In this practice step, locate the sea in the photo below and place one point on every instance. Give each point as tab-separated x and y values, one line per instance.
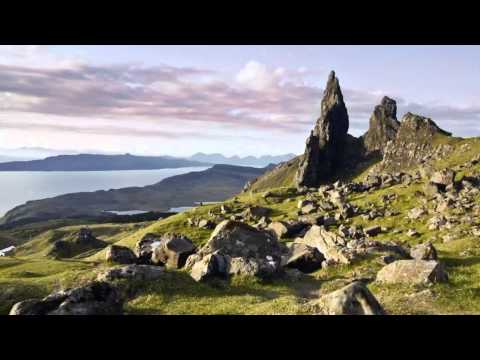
18	187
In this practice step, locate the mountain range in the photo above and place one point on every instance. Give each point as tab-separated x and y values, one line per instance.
103	162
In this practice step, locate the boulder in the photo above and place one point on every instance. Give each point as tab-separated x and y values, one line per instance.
444	177
436	222
96	298
120	255
286	229
312	219
308	209
144	248
304	258
173	251
237	239
206	224
424	251
353	299
212	265
331	245
415	213
256	212
279	228
413	272
132	272
236	248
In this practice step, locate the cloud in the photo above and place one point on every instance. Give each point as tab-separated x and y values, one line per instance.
257	97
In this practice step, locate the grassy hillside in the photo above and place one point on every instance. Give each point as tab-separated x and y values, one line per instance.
30	274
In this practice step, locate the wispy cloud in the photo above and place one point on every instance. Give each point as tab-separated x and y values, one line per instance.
257	97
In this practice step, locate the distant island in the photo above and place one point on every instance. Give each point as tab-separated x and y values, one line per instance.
260	161
214	184
102	162
96	162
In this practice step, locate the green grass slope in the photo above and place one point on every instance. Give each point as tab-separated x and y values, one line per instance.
31	275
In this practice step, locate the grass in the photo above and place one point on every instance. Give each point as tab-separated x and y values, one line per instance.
32	275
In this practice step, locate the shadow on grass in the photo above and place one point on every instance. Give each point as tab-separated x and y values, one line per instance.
455	262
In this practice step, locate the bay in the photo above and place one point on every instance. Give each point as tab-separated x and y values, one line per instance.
16	188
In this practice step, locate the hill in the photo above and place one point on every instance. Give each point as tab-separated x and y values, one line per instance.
96	162
260	161
215	184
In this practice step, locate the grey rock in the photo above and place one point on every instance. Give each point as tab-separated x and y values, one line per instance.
424	251
96	298
383	126
413	272
120	255
304	258
353	299
132	272
173	251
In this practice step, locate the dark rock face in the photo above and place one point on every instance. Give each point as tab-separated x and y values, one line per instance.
96	298
304	258
325	146
383	126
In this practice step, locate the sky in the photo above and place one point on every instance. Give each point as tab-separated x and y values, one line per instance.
235	100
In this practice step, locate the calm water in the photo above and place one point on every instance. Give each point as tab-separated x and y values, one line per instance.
17	188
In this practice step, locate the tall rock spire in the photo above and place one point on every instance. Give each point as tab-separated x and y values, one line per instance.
325	145
383	126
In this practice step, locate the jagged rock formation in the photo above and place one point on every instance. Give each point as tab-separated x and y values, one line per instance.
383	126
325	145
413	144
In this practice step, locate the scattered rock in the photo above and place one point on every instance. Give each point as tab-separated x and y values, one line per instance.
424	251
412	233
416	213
444	177
96	298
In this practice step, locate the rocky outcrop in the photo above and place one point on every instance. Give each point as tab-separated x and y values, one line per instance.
83	241
97	298
383	126
236	248
413	143
325	146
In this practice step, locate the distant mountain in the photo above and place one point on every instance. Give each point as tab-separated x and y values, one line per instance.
241	161
96	162
215	184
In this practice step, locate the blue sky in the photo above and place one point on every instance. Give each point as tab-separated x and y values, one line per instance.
245	100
